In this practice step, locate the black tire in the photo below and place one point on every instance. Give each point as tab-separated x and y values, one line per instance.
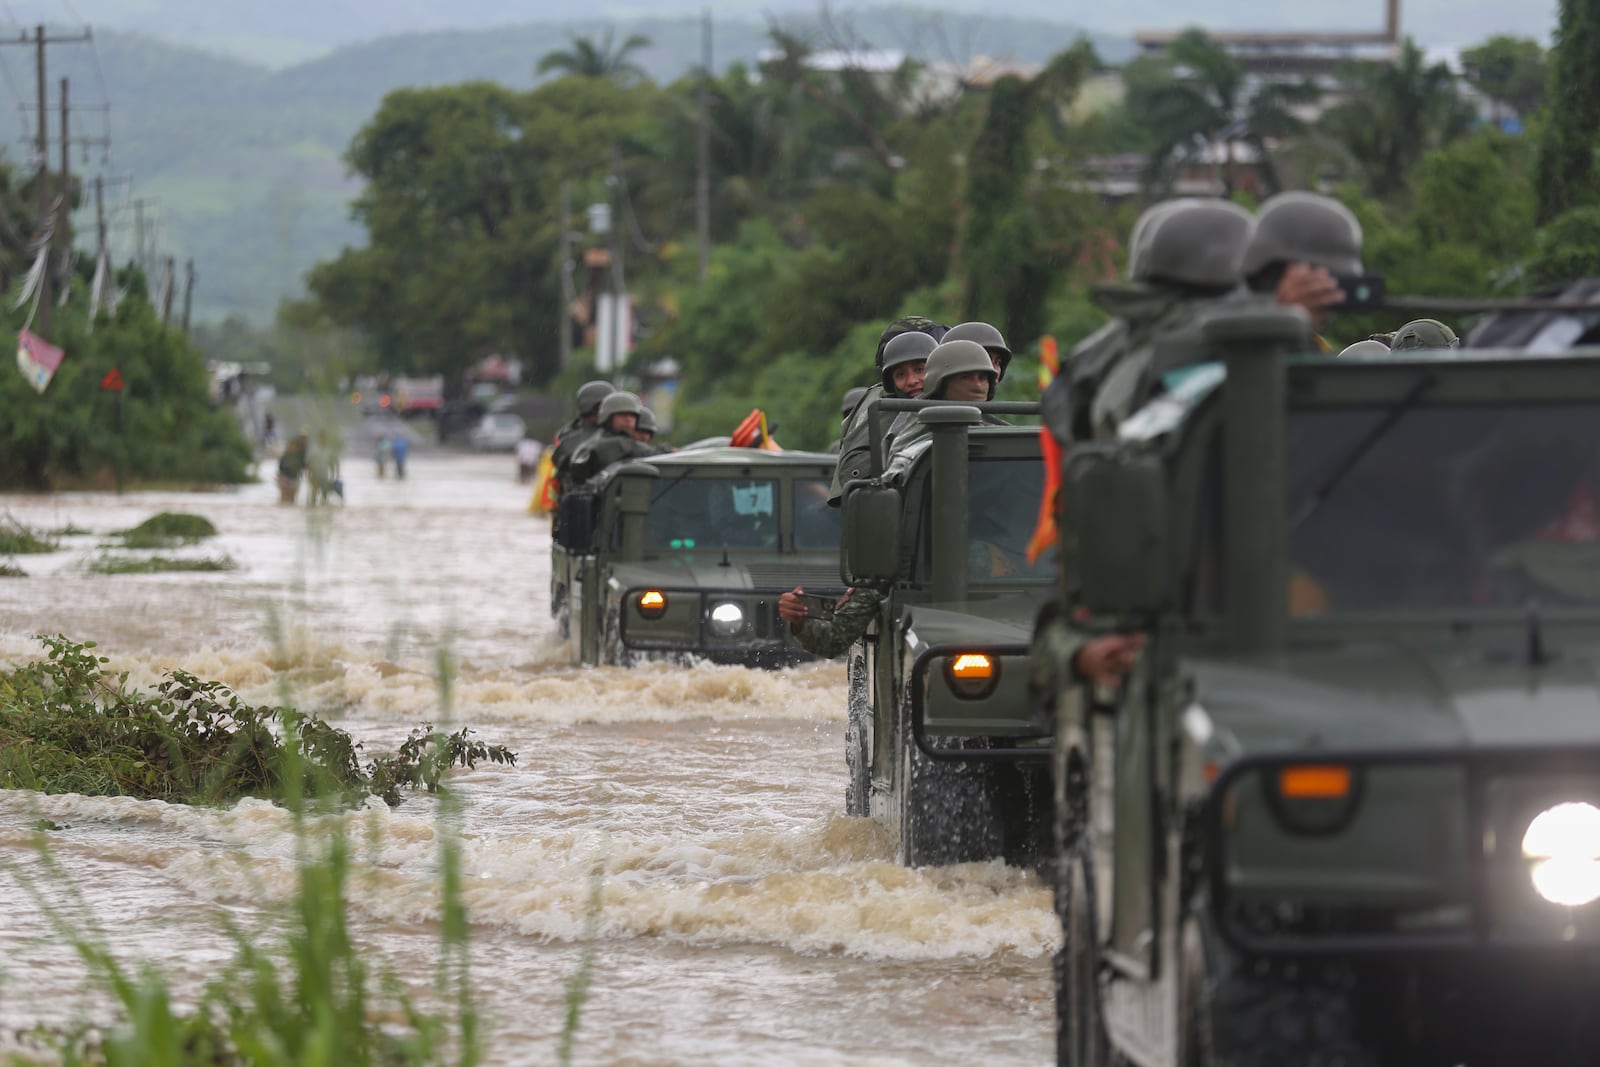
1080	1028
948	811
1234	1014
858	728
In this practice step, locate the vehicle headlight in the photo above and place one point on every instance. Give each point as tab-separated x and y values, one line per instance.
972	675
727	619
652	604
1563	843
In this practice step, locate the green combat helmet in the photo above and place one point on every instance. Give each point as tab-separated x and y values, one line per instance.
1420	334
1364	349
647	422
1194	242
952	358
987	336
852	397
618	403
1300	227
906	348
590	394
908	324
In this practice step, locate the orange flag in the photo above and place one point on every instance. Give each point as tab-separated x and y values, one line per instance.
750	432
1045	531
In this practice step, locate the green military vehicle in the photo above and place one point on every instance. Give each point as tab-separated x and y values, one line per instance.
936	746
1346	809
685	554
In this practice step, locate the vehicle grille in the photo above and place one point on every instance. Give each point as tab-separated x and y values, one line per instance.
814	577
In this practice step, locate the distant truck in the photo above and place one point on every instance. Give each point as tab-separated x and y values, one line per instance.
418	396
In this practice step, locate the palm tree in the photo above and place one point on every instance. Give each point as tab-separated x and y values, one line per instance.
589	59
1202	97
1396	113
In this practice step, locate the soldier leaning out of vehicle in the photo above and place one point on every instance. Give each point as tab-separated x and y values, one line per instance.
956	370
645	429
575	434
618	416
1300	242
854	445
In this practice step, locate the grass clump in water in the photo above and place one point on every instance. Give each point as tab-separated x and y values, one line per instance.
19	540
66	726
305	996
168	529
159	564
11	570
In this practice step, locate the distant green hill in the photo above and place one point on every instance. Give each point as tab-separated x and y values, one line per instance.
245	161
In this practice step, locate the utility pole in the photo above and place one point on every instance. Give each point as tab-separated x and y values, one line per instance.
169	282
63	239
188	294
702	180
39	41
564	319
100	215
619	285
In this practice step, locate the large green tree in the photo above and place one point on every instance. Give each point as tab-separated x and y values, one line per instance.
1511	70
1396	113
462	185
1568	173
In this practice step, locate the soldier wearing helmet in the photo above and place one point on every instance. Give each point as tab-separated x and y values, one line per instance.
852	397
1424	334
956	370
855	445
584	426
645	429
990	338
1183	256
618	416
1301	240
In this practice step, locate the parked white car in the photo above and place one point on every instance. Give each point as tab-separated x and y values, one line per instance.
497	432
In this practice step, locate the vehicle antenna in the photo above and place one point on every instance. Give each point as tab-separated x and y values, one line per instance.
725	562
1538	656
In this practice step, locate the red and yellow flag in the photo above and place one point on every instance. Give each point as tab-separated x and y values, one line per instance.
752	433
1049	362
545	490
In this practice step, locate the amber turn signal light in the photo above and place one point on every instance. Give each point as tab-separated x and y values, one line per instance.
652	603
1314	782
972	675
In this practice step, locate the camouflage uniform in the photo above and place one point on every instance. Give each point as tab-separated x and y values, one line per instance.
855	612
610	445
575	434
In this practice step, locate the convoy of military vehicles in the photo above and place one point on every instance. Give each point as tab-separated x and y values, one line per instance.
1345	809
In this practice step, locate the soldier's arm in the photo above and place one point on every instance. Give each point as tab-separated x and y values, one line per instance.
832	637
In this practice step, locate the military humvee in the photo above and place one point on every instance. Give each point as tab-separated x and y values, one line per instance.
686	554
940	744
1347	808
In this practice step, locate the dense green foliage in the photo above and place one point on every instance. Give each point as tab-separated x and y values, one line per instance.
163	427
842	200
1568	174
166	529
68	726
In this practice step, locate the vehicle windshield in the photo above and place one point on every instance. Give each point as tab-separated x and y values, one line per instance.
816	525
1002	512
712	513
1449	508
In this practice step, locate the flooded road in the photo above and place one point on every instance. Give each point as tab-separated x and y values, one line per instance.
743	919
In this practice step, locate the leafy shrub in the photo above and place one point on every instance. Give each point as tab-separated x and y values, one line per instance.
168	528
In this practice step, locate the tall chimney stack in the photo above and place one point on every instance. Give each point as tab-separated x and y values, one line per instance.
1392	22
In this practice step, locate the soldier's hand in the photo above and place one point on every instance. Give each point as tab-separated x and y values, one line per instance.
1105	660
791	608
1312	288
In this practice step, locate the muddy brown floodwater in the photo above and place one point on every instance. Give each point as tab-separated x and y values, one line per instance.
743	920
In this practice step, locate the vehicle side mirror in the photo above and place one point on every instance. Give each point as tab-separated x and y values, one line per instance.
869	543
1116	533
575	514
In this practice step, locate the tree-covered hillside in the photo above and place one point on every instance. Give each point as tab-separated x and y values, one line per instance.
244	160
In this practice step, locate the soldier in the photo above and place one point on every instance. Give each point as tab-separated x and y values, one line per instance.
574	434
1183	255
1301	240
990	338
1424	335
956	370
852	397
645	429
617	417
1182	260
854	446
905	361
